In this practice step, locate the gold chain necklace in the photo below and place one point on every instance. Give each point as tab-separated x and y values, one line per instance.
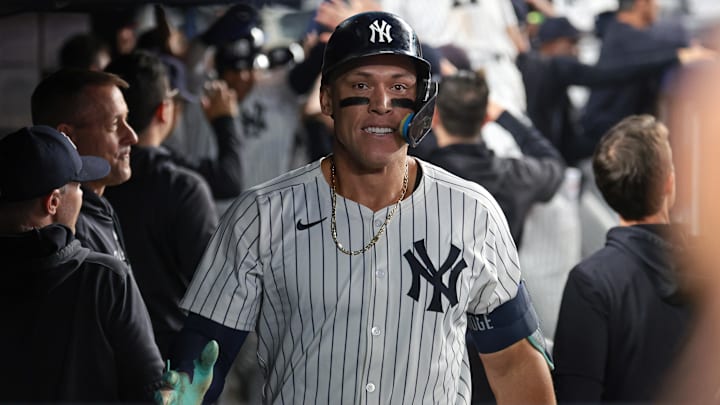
373	241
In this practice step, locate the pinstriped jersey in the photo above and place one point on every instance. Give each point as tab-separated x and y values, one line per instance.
384	327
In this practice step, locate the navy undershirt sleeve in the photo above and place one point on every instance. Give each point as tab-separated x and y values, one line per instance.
191	340
509	323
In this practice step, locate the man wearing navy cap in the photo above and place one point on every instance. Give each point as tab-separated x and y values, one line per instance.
74	325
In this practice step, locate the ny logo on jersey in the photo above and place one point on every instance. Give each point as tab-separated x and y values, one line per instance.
427	270
382	31
253	120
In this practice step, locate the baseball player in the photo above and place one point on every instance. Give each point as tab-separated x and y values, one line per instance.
361	272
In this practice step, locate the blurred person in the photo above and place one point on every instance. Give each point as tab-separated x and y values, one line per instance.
84	51
549	72
333	343
89	107
75	328
625	314
269	114
269	111
461	111
218	106
516	183
116	26
168	211
628	37
693	379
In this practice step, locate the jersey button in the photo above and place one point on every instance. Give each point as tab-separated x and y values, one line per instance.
378	223
380	274
370	387
375	331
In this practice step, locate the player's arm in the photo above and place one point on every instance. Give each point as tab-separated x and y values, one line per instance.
182	389
192	340
519	374
513	352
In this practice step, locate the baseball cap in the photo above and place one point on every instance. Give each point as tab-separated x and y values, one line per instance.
240	55
36	160
555	28
177	75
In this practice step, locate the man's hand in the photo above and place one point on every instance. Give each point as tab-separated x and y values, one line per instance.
696	53
219	100
180	389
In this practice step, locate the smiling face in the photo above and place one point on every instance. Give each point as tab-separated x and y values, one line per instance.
103	131
368	102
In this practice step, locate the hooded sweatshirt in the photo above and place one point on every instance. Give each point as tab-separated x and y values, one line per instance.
623	319
74	327
516	184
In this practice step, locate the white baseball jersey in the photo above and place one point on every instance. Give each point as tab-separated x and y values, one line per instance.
480	27
384	327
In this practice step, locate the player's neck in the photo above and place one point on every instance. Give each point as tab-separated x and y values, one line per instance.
375	190
660	217
445	138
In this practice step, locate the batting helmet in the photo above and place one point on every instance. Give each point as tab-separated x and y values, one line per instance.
378	33
374	33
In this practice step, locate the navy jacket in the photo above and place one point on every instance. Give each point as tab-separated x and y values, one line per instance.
98	226
608	106
547	80
623	319
168	217
516	184
75	328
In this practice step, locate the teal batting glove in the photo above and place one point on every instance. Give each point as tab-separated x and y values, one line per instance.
180	390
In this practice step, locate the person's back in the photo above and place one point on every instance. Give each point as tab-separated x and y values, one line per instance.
75	326
81	319
168	211
624	315
170	216
516	184
625	297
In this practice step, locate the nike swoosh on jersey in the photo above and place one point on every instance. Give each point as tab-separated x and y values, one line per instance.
302	227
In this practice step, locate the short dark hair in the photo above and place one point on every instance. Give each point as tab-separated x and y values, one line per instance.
149	85
59	97
631	164
82	51
462	102
624	5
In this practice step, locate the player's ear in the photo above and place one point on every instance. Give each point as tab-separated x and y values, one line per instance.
163	111
326	102
51	202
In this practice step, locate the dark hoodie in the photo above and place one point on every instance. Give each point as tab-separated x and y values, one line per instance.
98	227
622	319
168	217
74	327
516	184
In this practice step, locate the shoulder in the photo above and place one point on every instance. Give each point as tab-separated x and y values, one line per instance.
439	179
608	268
181	179
101	262
308	177
303	176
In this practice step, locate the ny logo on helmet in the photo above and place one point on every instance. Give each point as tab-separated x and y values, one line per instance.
382	31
